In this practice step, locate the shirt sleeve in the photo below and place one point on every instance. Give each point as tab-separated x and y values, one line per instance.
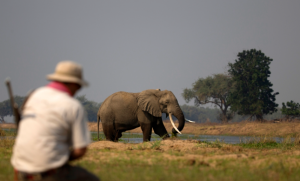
80	132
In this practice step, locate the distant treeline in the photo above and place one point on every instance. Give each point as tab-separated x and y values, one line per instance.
198	114
90	107
207	114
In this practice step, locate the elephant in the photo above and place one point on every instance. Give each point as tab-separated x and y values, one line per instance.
124	111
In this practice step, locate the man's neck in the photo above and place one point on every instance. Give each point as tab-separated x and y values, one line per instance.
61	87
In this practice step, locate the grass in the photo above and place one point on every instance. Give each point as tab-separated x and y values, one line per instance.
144	164
212	144
6	170
257	159
267	142
153	145
137	165
6	145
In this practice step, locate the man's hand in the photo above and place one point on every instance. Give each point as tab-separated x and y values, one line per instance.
77	153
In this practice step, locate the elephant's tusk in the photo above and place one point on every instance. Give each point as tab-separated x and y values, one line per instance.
189	121
172	122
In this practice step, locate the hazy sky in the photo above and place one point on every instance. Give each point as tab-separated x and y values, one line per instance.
137	45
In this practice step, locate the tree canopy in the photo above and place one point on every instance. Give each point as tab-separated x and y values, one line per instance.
5	110
5	107
291	110
253	94
200	114
212	89
90	107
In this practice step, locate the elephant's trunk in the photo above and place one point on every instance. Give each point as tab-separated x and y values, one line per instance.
181	122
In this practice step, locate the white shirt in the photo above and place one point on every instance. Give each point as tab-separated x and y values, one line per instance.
53	123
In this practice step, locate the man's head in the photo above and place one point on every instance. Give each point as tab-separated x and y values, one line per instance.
69	73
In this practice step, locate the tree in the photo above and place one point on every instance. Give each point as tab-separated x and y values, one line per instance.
5	108
199	114
90	107
291	110
253	94
213	89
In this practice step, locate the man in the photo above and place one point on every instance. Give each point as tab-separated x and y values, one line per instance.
53	130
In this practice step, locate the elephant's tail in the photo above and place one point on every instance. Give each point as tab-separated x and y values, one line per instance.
98	120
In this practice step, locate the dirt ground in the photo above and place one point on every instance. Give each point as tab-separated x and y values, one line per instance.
165	145
241	129
187	150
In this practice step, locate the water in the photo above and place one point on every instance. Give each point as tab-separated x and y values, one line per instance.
230	139
208	138
137	138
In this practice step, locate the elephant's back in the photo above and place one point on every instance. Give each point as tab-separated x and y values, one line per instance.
119	100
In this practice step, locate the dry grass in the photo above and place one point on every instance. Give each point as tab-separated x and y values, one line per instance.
191	160
186	149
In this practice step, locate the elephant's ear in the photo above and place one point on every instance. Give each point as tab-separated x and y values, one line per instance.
148	101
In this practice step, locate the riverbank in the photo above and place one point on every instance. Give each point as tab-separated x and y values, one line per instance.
180	160
244	128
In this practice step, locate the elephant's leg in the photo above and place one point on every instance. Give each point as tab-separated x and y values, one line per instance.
147	130
109	132
145	119
160	129
117	135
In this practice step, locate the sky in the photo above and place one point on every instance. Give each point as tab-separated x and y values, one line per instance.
137	45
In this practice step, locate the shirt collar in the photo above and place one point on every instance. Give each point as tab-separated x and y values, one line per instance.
59	86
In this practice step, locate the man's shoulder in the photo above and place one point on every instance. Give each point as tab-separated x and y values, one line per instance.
53	94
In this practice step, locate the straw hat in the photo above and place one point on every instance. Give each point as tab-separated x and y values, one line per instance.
68	71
